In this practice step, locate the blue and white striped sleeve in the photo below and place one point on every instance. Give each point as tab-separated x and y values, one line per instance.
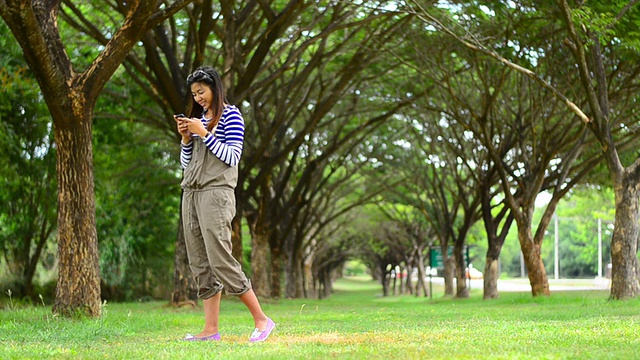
185	154
228	141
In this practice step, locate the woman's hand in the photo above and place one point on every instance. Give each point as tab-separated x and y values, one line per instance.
196	126
183	128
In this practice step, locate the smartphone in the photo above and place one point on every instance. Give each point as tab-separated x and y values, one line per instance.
180	116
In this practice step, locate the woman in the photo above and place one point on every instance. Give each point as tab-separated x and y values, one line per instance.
212	140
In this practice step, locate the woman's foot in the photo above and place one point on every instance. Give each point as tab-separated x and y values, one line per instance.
214	337
262	335
261	324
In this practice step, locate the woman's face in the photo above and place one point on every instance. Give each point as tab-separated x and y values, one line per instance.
202	94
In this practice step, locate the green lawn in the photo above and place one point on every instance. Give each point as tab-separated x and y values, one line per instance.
355	323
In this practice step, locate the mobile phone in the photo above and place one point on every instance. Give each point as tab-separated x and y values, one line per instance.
180	116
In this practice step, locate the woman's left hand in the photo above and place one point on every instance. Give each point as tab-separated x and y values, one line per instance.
197	127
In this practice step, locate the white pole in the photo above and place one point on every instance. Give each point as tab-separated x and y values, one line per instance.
599	248
521	264
556	271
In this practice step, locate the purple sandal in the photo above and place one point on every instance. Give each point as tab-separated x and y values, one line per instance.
258	335
214	337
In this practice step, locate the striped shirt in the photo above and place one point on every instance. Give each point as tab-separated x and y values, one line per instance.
226	142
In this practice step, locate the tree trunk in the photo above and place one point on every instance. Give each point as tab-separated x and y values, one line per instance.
495	238
45	232
384	280
293	267
299	280
326	283
259	261
624	243
304	280
78	288
276	272
395	279
315	281
422	274
449	271
308	284
400	275
321	284
533	261
328	286
462	290
408	281
491	274
184	285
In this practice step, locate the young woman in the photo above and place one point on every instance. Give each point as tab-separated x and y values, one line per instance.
212	140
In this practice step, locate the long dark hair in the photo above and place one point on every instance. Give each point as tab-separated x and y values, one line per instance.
209	77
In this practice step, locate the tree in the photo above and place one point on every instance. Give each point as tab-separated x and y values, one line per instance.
70	97
496	224
325	81
411	221
602	50
381	246
297	75
547	144
605	65
444	190
159	68
318	208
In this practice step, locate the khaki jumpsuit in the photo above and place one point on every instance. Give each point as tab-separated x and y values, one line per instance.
208	207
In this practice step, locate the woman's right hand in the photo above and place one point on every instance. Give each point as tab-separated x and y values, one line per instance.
183	128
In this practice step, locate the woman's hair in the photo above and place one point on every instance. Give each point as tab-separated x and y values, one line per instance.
208	76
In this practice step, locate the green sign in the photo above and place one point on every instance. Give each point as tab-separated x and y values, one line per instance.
435	256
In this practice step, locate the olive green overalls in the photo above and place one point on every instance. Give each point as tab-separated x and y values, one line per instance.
208	207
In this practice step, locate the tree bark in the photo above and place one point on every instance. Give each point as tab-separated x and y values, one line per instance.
408	282
384	280
421	275
276	272
624	243
533	261
325	283
395	278
495	241
449	273
491	271
78	288
308	284
400	275
293	268
462	290
259	261
328	283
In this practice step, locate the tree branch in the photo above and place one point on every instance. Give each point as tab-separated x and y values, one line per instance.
424	16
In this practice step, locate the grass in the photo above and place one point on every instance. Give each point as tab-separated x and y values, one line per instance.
355	323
